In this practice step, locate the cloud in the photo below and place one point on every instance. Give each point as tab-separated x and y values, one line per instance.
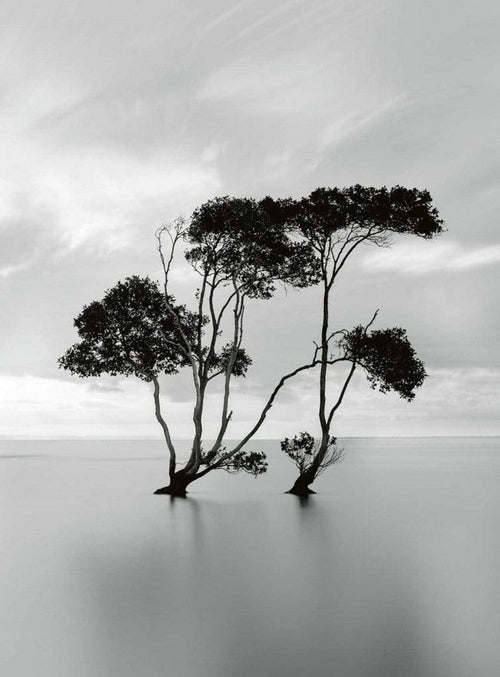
105	387
7	271
455	401
45	407
422	257
226	15
460	401
359	120
73	161
100	198
264	19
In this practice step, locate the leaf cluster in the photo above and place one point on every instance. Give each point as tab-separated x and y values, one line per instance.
252	462
237	357
302	450
388	358
236	239
359	210
130	331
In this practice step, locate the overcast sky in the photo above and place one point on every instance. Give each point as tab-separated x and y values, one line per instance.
118	116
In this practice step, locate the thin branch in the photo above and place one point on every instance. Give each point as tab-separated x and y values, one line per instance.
178	228
163	423
371	233
349	376
237	334
342	393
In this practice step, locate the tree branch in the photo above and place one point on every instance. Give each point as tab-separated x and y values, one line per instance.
163	423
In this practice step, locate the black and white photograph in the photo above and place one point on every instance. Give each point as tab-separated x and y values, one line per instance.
249	338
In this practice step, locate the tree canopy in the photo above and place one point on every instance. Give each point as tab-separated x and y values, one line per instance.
129	332
237	239
334	222
388	358
363	211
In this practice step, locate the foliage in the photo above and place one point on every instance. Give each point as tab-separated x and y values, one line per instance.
235	239
389	360
334	222
242	249
130	331
302	449
252	462
359	211
238	356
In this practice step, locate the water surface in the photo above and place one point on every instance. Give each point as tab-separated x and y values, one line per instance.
391	571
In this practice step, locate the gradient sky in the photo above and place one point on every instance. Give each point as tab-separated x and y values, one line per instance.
118	116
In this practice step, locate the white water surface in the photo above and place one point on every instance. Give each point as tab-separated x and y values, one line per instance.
392	570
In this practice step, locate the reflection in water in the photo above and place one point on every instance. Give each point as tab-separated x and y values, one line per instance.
389	571
278	595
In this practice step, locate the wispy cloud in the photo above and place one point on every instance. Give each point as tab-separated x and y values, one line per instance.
346	126
418	258
226	15
453	401
341	15
7	271
102	197
267	17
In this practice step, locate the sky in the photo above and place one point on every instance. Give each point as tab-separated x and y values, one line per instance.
117	117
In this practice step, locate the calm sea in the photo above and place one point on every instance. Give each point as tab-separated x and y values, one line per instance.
392	570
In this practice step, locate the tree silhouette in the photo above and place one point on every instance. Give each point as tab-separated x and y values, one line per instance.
335	222
240	253
241	249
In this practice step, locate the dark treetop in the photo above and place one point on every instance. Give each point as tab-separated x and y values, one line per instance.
388	359
237	239
129	332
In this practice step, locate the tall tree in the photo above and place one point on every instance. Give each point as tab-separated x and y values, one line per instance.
239	253
335	222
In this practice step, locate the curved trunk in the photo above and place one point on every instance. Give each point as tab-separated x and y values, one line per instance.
301	485
307	477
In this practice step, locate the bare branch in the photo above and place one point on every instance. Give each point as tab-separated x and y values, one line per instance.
178	227
237	335
163	423
342	393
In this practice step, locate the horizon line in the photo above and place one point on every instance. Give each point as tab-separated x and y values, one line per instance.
82	438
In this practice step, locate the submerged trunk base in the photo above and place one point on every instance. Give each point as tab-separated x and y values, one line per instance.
300	491
301	484
173	489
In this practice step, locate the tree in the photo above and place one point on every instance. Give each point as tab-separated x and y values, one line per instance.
129	332
303	448
335	222
239	253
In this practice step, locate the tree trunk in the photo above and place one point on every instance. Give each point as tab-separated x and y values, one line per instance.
307	477
177	486
301	484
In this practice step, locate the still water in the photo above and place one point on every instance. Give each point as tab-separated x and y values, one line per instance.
392	570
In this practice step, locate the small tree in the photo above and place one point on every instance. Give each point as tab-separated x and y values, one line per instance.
239	253
303	448
335	222
390	365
